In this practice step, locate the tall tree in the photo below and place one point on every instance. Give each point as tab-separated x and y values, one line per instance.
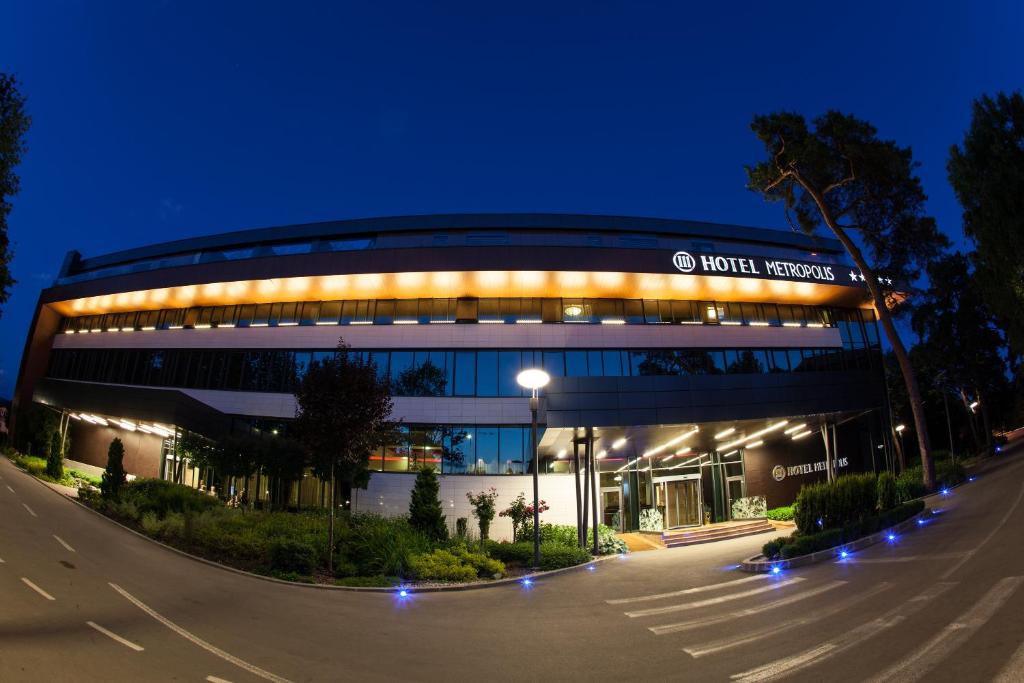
14	124
342	410
987	174
839	175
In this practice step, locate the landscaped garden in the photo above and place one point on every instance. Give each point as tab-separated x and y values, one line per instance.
831	514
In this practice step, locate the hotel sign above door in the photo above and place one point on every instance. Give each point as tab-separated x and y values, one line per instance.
756	266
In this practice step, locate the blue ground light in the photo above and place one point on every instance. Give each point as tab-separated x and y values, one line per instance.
776	570
527	582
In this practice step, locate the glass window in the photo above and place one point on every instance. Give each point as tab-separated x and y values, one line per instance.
512	449
459	449
508	368
385	313
554	363
261	317
634	311
612	364
637	360
310	313
796	360
486	450
465	373
330	313
576	363
402	362
575	311
718	366
488	309
407	309
780	360
380	359
487	373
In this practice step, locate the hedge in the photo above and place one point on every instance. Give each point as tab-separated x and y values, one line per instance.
831	505
781	514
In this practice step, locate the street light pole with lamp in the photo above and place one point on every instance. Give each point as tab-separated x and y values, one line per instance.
899	433
534	379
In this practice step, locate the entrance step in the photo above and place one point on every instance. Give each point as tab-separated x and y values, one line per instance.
716	532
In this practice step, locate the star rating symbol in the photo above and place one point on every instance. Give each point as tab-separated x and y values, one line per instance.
853	276
888	281
861	276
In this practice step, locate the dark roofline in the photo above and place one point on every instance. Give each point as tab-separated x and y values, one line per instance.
463	221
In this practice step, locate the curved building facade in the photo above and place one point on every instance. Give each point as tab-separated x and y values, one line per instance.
702	366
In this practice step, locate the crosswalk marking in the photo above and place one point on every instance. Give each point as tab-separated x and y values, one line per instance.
970	553
922	660
716	646
689	591
1013	672
903	558
749	611
788	665
712	601
37	589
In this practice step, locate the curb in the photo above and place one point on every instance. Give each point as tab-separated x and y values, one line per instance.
476	585
755	565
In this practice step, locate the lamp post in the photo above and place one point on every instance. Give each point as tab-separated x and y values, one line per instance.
534	379
899	433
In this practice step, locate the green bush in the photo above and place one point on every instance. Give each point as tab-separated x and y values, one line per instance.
485	566
425	514
381	545
887	495
771	549
556	555
801	544
909	484
608	543
830	505
440	565
163	497
114	476
292	556
781	514
510	553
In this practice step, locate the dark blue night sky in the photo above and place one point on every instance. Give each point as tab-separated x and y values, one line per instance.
159	120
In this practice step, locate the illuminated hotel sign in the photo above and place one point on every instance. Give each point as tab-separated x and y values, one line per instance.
755	266
780	472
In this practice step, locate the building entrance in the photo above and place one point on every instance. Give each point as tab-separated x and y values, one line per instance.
679	500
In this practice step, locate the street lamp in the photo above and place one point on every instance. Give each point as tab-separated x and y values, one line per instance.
973	406
534	379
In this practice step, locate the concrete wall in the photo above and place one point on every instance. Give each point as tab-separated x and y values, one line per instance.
388	494
89	444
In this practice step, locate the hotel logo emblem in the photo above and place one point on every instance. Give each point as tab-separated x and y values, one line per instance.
778	473
684	262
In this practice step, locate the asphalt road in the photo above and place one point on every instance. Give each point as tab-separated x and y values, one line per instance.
83	600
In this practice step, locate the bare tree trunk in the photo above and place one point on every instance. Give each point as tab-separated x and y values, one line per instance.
902	357
970	420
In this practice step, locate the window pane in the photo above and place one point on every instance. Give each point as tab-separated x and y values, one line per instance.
460	449
380	359
487	373
401	363
554	363
465	373
595	363
612	363
385	313
576	363
512	448
780	360
486	450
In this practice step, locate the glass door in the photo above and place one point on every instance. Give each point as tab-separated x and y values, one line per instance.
682	502
611	507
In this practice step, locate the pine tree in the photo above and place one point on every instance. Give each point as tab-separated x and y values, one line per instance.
114	476
55	457
425	513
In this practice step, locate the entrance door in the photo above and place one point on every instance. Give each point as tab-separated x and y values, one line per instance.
682	503
611	507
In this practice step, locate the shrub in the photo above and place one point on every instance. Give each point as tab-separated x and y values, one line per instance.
949	473
425	513
441	565
887	495
521	514
823	540
781	514
163	497
461	527
55	458
381	545
114	475
485	566
556	556
483	508
909	484
608	543
292	556
510	553
830	505
771	549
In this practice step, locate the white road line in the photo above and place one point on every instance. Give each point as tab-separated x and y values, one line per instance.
704	649
64	543
922	660
1	560
904	558
970	553
789	665
37	589
739	614
688	591
9	488
30	511
114	636
195	640
712	601
1013	672
215	679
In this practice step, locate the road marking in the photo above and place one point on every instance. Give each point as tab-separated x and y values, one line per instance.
922	660
738	614
704	649
970	553
196	640
906	558
1	560
64	543
215	679
1013	672
37	589
30	511
9	488
789	665
712	601
114	636
688	591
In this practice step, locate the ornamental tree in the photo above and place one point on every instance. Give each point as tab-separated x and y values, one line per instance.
483	509
425	512
114	476
837	175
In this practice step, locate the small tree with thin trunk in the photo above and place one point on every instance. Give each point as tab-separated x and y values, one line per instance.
114	476
863	190
342	410
425	513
